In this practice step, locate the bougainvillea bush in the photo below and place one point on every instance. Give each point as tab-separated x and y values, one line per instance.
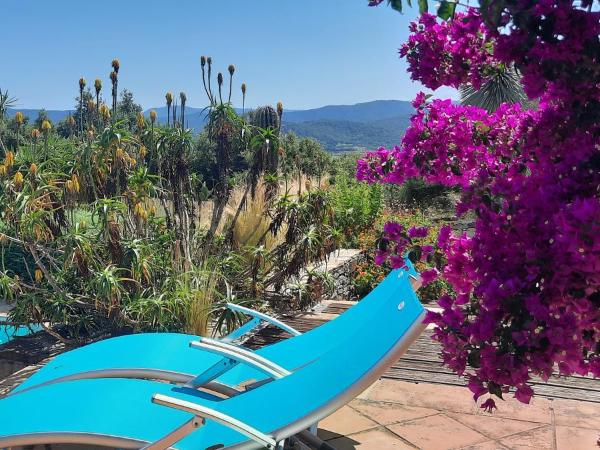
372	270
526	284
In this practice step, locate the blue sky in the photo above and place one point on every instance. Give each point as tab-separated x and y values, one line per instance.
305	53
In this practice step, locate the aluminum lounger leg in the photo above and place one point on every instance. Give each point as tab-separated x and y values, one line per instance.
176	435
313	441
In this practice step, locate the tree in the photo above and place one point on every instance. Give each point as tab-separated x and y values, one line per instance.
128	110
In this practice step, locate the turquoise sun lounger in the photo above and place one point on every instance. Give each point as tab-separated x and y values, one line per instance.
136	413
170	357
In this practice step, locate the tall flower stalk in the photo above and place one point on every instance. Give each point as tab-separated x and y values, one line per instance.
183	99
81	88
114	78
169	101
98	88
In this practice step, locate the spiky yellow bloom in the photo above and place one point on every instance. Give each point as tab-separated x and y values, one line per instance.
3	238
3	170
35	134
98	85
113	76
132	162
19	118
90	135
81	84
244	88
39	275
9	159
139	211
152	210
119	153
169	98
33	168
140	120
231	69
115	65
143	151
69	186
279	109
105	112
46	126
71	121
153	116
18	180
219	78
91	104
75	181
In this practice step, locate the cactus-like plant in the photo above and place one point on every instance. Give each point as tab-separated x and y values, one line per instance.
265	117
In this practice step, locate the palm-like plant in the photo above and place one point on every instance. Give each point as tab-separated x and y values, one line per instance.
502	86
6	101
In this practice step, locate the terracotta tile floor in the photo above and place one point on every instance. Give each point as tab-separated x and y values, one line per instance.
399	415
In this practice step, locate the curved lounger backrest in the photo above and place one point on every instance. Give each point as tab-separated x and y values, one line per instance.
295	402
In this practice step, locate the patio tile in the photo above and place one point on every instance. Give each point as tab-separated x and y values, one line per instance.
538	439
455	399
487	445
389	413
437	433
378	439
440	397
493	427
574	413
343	422
571	438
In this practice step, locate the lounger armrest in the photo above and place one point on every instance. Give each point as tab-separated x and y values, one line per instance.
212	414
241	355
265	317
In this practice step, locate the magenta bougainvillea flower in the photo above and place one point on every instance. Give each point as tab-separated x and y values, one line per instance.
526	284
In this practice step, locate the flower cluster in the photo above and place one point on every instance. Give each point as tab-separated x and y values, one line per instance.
526	284
555	45
449	53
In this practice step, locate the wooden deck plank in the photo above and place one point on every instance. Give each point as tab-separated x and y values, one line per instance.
422	362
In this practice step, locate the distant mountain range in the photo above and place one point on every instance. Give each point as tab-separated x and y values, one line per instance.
337	127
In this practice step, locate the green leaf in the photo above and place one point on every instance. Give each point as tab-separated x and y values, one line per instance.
423	7
396	4
491	10
446	10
